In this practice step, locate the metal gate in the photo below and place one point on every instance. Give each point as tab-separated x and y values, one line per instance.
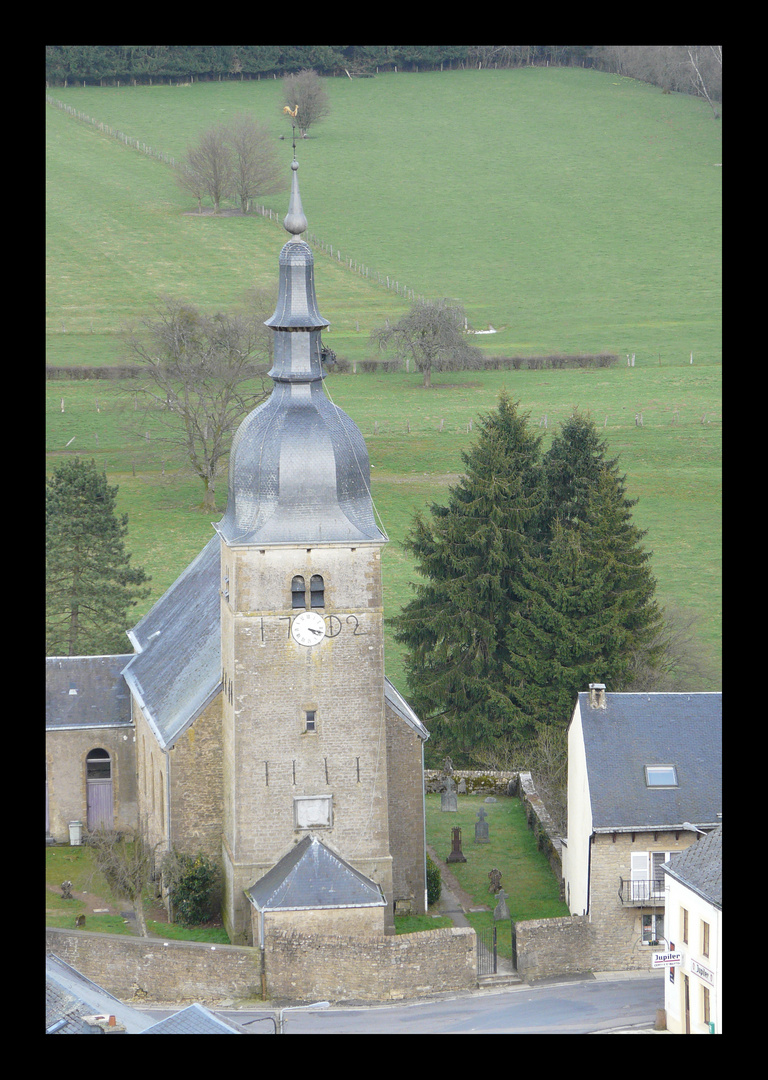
487	950
489	942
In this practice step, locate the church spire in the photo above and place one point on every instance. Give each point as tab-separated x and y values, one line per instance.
295	222
298	468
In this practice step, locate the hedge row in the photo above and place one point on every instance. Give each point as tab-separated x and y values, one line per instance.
508	363
343	367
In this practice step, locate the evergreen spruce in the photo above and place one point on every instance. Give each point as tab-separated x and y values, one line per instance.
467	553
573	466
535	583
90	583
586	613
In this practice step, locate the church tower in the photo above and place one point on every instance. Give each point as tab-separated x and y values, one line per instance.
304	740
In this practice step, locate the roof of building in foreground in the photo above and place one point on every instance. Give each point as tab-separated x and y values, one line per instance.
677	736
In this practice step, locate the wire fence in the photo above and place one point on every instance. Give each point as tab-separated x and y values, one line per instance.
361	269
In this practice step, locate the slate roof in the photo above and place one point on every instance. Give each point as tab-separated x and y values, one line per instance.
313	876
176	671
86	691
70	996
401	708
635	730
195	1020
700	867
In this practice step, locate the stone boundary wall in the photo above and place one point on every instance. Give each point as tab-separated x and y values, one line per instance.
150	969
547	947
477	781
542	825
299	967
333	968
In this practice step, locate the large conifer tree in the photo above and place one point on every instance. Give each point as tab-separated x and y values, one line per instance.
586	613
467	553
90	583
535	584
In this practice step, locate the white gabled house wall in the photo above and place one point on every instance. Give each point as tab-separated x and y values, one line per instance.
576	847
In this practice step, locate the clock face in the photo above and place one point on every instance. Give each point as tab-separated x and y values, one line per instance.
308	628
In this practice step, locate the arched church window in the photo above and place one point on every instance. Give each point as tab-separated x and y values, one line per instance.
317	591
298	599
98	765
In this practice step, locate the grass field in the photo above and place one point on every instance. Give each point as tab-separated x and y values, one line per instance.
572	210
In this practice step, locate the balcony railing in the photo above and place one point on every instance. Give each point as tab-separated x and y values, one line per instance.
642	892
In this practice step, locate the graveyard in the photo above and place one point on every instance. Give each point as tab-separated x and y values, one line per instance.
494	837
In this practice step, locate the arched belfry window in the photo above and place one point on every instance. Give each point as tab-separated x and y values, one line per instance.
317	591
298	597
316	597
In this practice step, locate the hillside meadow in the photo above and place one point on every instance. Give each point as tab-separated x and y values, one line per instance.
570	210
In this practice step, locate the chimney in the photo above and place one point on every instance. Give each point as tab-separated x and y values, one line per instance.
597	695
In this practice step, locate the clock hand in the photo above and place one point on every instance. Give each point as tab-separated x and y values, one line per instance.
313	631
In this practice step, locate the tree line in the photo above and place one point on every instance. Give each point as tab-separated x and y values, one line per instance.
695	69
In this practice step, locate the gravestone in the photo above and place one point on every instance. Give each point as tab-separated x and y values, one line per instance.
449	800
462	786
494	876
481	828
66	890
456	853
501	911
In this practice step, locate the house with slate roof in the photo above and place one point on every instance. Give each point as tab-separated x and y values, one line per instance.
644	776
262	728
693	990
90	766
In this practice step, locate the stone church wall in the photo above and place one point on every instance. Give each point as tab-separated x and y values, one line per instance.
197	786
406	818
65	753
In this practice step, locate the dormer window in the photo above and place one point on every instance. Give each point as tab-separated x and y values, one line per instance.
660	776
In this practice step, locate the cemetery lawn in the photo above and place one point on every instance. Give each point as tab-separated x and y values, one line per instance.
105	912
533	890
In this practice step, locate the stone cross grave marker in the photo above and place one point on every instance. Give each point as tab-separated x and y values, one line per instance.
501	911
481	828
449	800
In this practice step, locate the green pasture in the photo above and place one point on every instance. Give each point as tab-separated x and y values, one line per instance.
571	210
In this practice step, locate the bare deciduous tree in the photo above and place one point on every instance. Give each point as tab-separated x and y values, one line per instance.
200	372
208	166
433	335
255	166
306	98
235	160
127	863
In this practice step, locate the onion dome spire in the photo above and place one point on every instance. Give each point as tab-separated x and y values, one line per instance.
298	468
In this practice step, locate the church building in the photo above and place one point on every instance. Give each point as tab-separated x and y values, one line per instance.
264	730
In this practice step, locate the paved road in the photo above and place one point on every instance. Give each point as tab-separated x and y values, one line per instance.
576	1007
